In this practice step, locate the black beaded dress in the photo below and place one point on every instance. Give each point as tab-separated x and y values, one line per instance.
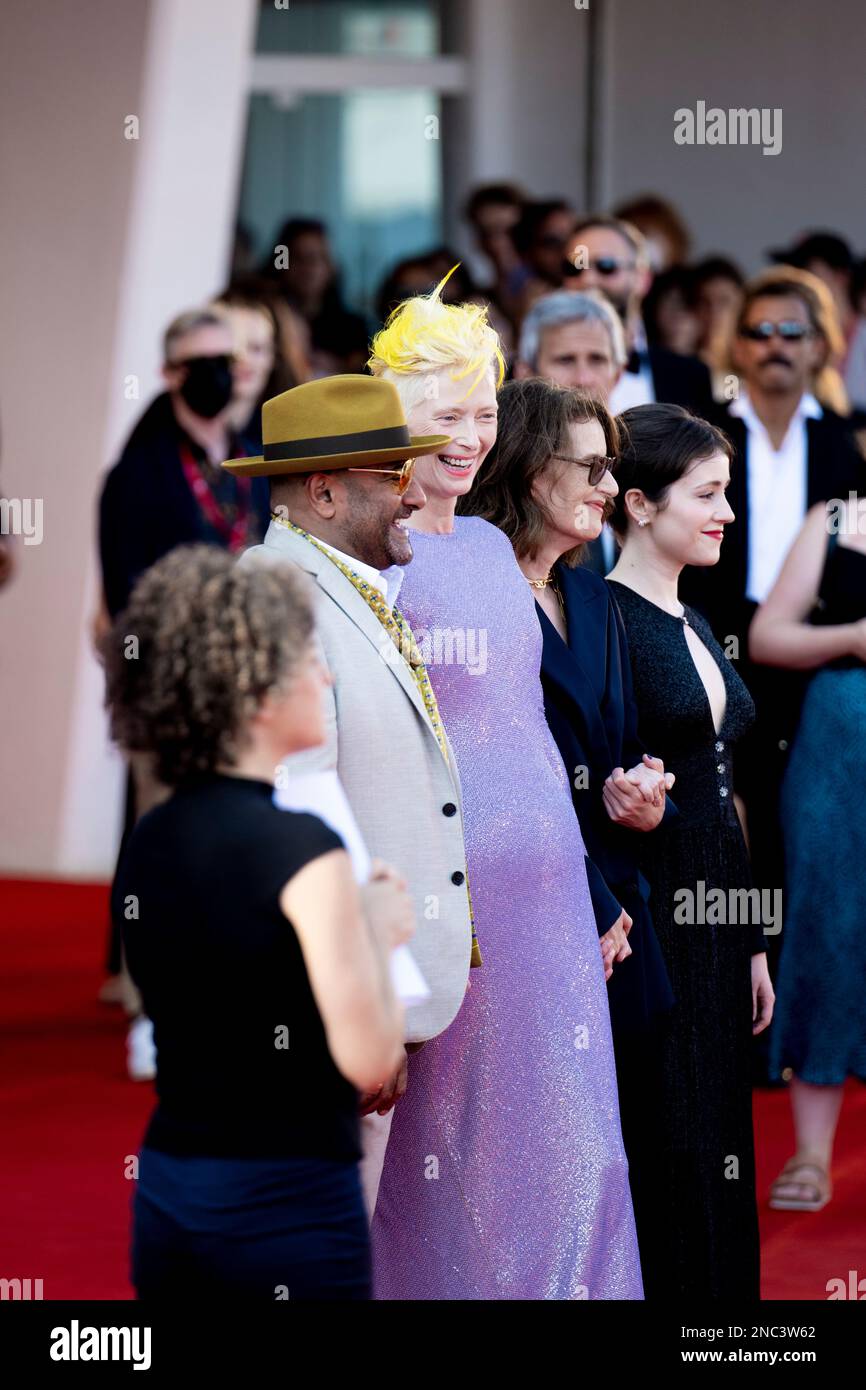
708	1193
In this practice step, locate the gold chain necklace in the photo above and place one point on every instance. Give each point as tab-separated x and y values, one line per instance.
540	583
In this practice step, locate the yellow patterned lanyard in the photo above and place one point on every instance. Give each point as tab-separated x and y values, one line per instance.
403	638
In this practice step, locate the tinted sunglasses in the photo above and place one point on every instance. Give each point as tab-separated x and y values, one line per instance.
597	466
400	477
604	265
789	329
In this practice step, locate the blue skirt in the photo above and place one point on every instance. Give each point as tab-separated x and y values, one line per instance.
819	1028
247	1228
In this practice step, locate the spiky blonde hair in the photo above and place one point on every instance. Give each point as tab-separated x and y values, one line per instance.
423	335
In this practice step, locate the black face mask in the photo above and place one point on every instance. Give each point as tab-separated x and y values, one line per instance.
207	388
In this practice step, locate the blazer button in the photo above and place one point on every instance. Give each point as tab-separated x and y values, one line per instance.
458	878
449	809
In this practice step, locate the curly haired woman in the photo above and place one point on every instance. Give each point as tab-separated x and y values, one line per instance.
244	932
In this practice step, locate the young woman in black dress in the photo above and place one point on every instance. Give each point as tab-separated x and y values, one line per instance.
671	511
267	984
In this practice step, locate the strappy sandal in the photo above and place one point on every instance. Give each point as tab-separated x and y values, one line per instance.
818	1188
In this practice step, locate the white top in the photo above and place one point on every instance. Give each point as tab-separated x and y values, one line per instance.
634	388
388	582
776	481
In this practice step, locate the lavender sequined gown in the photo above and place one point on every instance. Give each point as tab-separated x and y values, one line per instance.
505	1175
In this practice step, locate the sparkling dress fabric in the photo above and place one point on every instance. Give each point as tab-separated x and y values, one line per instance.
819	1027
505	1175
707	1200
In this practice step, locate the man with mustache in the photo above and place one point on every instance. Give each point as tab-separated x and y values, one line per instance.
790	453
340	460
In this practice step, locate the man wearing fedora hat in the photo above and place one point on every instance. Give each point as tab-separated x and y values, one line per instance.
340	461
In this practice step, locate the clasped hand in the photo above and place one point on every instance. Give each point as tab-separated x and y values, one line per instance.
636	799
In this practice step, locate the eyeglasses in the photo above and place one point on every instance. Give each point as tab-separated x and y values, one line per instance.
605	265
400	477
791	330
597	466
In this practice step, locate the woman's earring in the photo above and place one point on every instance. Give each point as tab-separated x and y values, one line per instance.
643	521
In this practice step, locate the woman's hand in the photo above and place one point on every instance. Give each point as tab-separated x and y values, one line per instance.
614	946
636	799
763	995
385	1097
388	906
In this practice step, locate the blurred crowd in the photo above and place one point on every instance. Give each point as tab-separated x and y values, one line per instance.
717	407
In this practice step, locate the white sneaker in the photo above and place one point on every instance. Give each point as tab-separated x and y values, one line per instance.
140	1050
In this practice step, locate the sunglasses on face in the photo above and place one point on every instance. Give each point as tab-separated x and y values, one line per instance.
789	329
597	466
603	265
400	477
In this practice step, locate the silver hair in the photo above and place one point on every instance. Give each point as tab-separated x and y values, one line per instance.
204	317
569	306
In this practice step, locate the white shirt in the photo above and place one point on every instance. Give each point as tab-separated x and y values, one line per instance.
776	482
634	388
388	582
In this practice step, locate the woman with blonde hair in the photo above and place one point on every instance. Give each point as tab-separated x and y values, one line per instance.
505	1175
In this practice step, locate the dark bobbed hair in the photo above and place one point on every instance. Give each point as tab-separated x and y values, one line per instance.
493	195
213	638
716	268
660	444
534	416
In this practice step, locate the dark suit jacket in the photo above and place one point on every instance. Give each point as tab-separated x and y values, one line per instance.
590	708
146	507
681	380
834	466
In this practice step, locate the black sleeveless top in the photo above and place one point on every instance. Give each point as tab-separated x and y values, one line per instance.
842	592
243	1067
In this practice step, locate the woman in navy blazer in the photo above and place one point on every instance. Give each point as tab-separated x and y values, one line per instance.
546	486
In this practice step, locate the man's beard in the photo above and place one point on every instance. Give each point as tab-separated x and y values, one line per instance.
374	540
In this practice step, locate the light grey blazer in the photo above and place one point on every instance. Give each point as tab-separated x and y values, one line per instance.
404	795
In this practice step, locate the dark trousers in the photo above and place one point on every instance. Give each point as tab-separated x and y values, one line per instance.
243	1228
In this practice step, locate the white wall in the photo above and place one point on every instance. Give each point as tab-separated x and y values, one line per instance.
104	240
526	111
804	57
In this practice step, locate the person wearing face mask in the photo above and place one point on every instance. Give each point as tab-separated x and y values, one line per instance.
168	489
513	1110
671	511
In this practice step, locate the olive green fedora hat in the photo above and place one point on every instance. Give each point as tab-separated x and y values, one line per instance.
336	422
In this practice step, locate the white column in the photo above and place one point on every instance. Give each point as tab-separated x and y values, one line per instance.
105	239
193	111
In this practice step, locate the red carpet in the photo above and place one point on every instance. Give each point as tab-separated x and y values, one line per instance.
71	1119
